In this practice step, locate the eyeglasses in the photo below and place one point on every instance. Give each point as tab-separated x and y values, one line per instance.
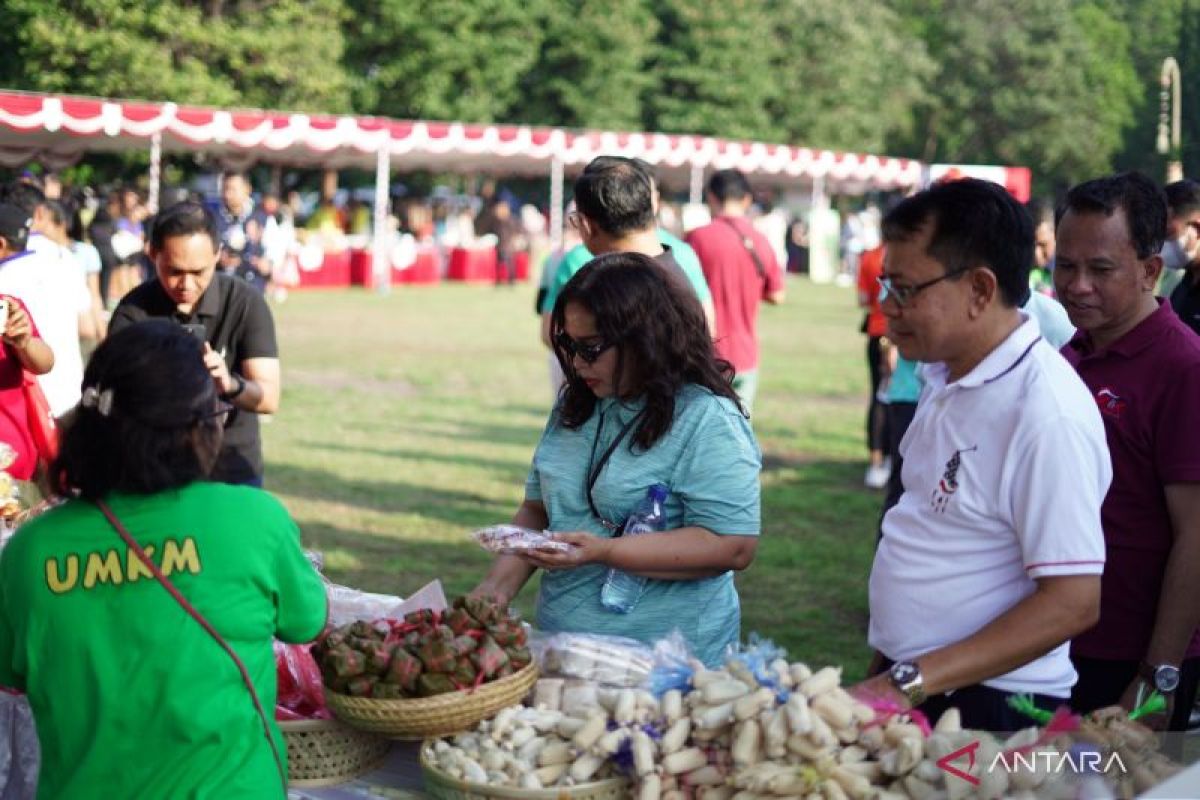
903	295
589	353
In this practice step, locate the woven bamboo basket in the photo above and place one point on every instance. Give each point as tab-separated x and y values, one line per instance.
441	786
440	715
323	752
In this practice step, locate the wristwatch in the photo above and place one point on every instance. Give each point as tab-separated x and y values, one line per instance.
1164	677
238	389
906	676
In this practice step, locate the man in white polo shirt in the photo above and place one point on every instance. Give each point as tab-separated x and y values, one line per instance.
991	560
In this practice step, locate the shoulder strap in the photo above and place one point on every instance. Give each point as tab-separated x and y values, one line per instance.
595	470
196	615
747	243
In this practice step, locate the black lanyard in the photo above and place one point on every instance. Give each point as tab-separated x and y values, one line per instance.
595	470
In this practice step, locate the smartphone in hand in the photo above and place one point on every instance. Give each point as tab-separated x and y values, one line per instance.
196	330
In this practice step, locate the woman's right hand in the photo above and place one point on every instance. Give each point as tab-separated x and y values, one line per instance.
509	573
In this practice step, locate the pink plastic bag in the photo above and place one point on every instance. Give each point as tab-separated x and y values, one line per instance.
300	691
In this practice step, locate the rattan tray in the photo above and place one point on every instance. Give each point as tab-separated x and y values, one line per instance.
323	752
441	786
440	715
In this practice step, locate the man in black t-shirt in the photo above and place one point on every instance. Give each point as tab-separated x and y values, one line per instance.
228	314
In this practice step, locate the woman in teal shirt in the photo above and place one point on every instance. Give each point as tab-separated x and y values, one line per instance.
646	401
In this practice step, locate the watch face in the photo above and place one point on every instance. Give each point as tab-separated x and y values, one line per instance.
1166	679
905	672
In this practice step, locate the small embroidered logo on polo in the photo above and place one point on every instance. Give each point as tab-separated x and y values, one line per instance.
948	485
1111	404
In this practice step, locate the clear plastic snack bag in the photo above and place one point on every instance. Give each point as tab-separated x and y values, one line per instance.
596	659
514	540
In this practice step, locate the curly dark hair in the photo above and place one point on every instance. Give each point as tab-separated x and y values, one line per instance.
159	433
654	320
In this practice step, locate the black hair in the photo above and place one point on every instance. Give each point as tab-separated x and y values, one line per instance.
728	184
159	432
657	326
615	193
183	219
73	202
1183	197
58	214
239	174
975	223
24	195
1144	204
648	168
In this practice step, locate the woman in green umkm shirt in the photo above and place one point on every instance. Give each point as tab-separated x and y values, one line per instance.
132	698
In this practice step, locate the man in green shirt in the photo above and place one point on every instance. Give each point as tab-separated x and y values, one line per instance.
617	210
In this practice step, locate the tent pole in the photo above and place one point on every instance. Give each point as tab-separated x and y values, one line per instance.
381	268
696	189
155	172
556	204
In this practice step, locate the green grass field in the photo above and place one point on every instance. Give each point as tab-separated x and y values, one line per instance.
409	420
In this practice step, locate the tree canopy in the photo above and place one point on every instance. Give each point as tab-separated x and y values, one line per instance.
1069	88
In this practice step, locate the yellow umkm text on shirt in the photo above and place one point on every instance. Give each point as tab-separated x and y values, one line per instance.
114	567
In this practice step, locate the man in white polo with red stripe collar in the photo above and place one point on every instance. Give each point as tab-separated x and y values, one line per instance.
991	560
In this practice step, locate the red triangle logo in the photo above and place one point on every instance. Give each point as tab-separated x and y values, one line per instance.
946	766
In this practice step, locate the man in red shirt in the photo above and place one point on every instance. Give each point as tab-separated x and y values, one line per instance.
1142	365
741	270
870	270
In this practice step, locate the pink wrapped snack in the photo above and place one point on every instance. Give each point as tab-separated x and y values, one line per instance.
513	540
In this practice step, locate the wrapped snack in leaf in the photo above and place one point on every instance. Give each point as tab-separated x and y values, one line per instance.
362	629
519	656
436	656
462	645
504	671
489	657
464	672
404	670
386	691
459	621
507	632
443	633
361	686
361	643
484	609
346	662
422	617
430	684
378	656
412	641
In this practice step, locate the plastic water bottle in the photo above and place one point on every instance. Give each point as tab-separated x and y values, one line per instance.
621	590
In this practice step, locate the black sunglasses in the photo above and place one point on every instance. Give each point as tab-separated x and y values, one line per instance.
589	353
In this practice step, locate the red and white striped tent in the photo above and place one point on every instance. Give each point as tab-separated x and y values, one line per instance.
57	130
